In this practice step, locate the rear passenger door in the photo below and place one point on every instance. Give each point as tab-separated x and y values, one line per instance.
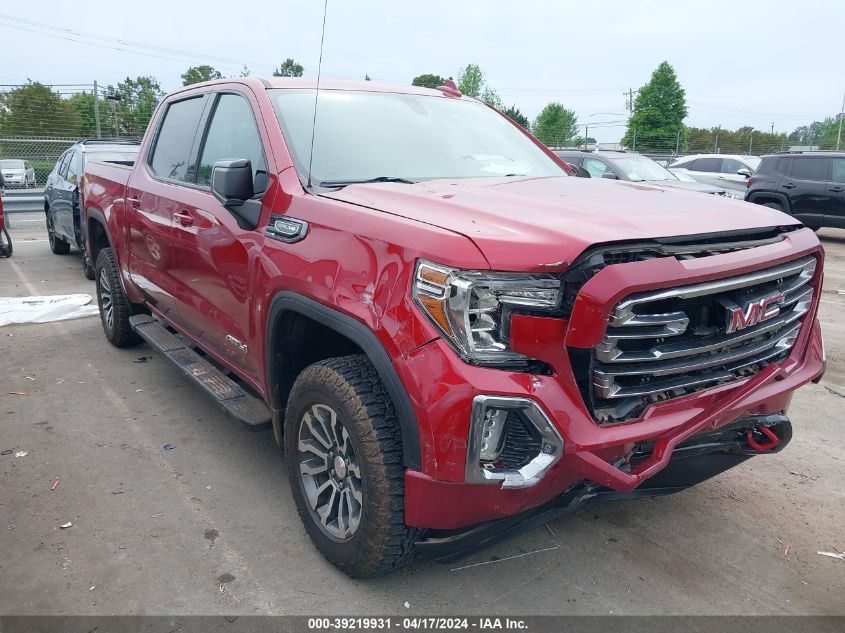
213	250
806	185
160	189
708	171
836	187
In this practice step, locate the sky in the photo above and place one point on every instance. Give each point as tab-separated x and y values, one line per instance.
741	62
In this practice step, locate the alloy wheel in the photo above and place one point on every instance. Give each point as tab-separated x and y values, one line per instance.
106	301
329	472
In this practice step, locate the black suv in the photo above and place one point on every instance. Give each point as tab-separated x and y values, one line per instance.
807	185
62	204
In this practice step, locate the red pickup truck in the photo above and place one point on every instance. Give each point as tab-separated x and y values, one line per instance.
451	338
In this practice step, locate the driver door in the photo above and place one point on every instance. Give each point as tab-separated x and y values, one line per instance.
213	251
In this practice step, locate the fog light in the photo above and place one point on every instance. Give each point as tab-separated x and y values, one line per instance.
492	436
511	441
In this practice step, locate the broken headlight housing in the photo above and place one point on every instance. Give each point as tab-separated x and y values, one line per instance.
472	309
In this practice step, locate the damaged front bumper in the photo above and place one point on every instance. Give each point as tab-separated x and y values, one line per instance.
695	460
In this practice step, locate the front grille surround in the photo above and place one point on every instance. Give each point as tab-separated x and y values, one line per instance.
667	343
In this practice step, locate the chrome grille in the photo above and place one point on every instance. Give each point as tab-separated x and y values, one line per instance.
666	343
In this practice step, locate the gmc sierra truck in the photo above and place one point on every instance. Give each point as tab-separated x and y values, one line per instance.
451	338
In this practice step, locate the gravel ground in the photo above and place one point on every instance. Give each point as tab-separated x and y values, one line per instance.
210	526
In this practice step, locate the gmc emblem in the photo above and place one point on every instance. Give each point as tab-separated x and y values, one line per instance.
755	312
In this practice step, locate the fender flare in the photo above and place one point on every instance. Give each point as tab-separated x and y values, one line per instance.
778	197
362	336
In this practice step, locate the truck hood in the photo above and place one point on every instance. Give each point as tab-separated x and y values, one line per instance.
529	224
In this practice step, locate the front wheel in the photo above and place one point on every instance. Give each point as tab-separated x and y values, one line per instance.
115	308
344	455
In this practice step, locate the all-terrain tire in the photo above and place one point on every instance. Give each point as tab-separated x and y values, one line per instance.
115	308
351	387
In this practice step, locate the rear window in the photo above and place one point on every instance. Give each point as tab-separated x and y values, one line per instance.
172	153
809	168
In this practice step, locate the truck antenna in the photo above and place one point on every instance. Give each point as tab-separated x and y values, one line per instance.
317	94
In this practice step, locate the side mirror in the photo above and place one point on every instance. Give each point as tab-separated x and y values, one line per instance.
744	171
231	184
231	181
610	175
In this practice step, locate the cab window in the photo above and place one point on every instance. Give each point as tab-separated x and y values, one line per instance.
233	133
171	157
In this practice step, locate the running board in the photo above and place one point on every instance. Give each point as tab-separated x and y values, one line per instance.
238	403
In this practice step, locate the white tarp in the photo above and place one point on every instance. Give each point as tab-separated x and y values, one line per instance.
45	309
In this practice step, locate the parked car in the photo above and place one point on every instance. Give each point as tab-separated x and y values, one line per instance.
730	171
621	165
62	204
17	173
449	336
808	185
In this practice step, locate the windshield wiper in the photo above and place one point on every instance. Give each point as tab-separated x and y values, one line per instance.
344	183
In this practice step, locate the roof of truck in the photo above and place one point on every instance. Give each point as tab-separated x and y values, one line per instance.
259	83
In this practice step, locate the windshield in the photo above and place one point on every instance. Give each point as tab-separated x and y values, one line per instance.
11	164
366	135
638	168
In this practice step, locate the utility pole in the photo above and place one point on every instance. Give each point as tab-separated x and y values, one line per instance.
586	134
97	109
773	127
841	115
750	140
629	104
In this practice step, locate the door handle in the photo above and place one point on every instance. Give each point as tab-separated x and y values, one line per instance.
836	189
788	185
184	218
134	203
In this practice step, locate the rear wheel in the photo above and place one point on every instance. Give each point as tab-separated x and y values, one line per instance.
57	244
344	454
115	308
6	249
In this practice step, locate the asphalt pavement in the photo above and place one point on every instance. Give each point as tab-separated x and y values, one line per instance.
209	526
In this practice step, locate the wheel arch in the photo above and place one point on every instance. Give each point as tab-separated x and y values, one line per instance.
287	308
97	237
762	197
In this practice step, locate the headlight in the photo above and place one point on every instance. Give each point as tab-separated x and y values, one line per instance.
472	309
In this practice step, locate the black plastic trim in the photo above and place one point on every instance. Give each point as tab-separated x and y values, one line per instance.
362	336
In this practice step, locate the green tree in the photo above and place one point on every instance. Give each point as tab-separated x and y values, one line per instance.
131	106
197	74
471	80
514	113
289	68
491	97
659	112
428	81
556	125
35	110
83	103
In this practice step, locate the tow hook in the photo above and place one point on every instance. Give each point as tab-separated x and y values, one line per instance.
772	442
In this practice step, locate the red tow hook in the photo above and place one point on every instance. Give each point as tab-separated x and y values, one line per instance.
765	430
